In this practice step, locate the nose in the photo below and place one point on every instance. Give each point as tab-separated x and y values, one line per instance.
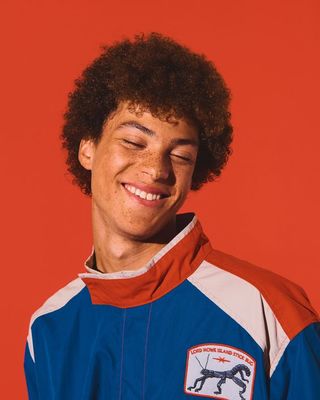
157	166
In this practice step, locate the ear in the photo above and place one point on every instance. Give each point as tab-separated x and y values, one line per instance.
86	153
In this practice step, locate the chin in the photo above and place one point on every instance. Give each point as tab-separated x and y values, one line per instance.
140	231
145	231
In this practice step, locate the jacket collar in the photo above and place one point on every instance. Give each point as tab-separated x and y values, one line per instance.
167	269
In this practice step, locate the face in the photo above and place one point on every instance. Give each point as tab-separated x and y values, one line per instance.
141	172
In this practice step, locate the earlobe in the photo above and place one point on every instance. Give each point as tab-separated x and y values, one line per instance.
86	153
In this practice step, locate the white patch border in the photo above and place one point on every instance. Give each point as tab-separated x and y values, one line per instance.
223	345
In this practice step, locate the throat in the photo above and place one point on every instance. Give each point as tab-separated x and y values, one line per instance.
119	248
115	258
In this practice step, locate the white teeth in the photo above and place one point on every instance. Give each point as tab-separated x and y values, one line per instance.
142	194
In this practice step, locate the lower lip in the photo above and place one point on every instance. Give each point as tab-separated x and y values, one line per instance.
147	203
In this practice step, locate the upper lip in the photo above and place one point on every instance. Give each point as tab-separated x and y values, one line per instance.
148	189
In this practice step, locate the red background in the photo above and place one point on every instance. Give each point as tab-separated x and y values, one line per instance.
264	208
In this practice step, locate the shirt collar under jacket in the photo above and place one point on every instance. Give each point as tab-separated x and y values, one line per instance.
174	263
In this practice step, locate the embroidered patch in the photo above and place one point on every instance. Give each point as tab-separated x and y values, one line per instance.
220	372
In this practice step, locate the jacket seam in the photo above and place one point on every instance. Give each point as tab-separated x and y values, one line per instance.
122	353
145	353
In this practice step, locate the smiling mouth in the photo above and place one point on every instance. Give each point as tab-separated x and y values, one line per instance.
142	194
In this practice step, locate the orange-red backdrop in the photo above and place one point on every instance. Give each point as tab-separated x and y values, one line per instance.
263	209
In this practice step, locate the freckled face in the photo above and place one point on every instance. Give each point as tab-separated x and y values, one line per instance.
141	172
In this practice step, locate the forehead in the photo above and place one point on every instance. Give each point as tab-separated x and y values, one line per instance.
125	115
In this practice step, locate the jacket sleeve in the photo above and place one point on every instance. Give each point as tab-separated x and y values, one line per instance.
30	375
297	375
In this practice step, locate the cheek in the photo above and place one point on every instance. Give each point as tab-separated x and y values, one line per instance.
184	178
108	169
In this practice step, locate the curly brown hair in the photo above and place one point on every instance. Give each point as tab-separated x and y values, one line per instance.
154	73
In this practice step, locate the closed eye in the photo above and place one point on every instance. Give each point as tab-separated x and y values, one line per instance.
129	143
187	159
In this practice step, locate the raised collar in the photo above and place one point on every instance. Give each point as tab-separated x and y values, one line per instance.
167	269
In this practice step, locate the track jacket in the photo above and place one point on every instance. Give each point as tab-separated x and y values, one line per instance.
193	322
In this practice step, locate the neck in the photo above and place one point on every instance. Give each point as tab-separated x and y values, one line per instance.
116	251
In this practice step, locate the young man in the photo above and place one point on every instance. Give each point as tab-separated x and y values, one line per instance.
160	314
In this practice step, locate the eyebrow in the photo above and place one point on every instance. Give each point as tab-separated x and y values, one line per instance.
150	132
134	124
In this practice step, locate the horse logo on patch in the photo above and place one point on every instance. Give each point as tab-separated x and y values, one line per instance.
219	371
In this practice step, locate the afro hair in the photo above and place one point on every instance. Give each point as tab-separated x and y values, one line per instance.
155	73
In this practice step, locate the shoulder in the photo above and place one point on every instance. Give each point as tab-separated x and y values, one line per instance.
59	299
55	302
272	309
287	300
